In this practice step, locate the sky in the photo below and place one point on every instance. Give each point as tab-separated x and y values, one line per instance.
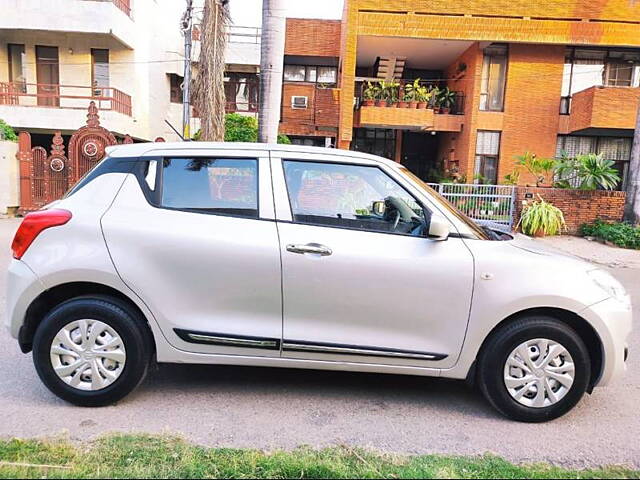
248	13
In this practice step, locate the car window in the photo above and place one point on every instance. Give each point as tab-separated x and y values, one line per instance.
208	185
351	196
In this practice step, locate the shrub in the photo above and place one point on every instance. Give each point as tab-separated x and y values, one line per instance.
6	132
242	128
623	234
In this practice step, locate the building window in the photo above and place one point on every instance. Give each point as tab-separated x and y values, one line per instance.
100	70
587	67
175	88
376	141
494	78
617	149
310	74
241	92
17	62
487	155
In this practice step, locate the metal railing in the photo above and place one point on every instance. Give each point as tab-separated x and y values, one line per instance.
487	205
238	34
456	109
64	96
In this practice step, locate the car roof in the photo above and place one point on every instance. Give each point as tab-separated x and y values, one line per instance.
148	149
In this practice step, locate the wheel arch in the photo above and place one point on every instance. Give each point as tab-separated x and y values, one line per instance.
48	299
582	327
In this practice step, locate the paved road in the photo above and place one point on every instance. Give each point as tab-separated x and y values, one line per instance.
275	408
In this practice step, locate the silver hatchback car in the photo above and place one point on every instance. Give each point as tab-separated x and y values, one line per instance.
299	257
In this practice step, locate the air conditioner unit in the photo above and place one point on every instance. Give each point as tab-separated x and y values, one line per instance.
299	102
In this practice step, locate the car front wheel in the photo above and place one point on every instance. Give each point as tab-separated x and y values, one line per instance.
91	351
534	369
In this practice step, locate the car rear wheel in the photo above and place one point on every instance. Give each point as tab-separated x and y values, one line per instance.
92	351
534	369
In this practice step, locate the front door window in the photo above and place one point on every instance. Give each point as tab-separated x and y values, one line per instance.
351	196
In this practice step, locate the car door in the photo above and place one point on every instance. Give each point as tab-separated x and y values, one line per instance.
360	284
194	237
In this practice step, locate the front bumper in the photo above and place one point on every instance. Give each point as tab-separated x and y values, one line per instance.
612	321
23	287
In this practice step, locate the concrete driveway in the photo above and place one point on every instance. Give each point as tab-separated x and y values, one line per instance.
275	408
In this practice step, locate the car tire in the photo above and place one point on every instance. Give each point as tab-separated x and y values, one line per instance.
124	349
535	394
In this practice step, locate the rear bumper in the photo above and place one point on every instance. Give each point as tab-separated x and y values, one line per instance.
23	287
612	321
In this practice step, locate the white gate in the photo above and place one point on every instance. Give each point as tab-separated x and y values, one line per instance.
488	205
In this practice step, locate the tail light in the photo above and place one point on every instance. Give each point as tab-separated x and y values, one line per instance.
33	224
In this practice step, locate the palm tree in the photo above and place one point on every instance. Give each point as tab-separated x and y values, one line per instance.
209	86
632	206
271	61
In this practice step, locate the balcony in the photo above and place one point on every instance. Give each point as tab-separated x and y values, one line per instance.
602	107
109	18
431	115
64	96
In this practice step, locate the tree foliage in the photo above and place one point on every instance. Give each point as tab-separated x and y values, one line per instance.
242	128
6	132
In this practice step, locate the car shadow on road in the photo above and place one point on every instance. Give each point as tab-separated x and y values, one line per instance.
317	386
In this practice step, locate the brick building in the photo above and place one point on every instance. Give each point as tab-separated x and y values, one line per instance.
542	76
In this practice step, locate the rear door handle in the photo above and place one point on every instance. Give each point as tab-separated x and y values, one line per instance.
314	248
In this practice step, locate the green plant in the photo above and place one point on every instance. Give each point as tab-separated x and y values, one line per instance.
389	91
623	234
588	172
411	91
446	98
242	128
6	132
512	178
371	92
540	168
423	94
541	217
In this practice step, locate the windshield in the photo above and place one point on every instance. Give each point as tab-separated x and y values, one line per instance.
466	227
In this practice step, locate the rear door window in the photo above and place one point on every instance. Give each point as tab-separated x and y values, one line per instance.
211	185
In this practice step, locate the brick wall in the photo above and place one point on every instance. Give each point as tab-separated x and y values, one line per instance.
532	103
320	38
320	118
578	206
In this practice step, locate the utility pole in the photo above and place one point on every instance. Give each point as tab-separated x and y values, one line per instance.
187	29
271	65
632	204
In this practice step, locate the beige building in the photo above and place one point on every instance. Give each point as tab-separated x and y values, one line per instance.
58	55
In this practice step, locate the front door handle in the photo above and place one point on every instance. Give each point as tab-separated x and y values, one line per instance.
314	248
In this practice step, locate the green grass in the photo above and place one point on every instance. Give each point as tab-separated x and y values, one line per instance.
142	456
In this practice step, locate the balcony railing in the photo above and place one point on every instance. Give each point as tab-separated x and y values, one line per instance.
64	96
456	108
124	5
238	34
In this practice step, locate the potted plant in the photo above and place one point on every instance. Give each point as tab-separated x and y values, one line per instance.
381	99
370	94
391	91
540	218
446	100
405	98
411	93
433	99
423	95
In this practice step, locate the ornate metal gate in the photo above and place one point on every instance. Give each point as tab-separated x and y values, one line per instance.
46	177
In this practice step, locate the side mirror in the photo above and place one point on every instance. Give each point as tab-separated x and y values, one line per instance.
379	208
439	228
